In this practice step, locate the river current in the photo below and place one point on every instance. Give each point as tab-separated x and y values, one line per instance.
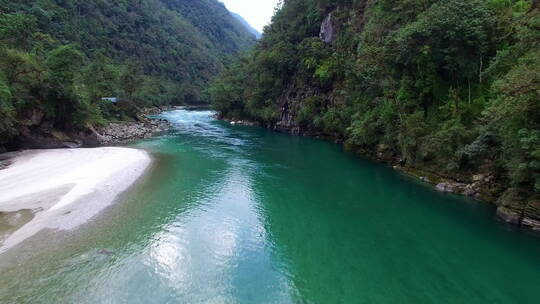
235	214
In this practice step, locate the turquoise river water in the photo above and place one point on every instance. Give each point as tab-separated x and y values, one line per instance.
234	214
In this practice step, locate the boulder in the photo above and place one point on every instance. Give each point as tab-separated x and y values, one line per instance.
441	187
425	179
469	190
478	177
451	187
509	215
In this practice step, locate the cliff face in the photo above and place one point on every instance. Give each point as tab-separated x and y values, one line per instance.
327	33
290	103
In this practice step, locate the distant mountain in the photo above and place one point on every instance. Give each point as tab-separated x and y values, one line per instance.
257	34
183	43
59	58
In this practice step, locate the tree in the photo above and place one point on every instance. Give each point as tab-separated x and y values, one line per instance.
64	64
7	113
17	30
100	77
131	80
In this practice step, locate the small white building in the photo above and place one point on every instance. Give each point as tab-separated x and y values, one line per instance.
111	99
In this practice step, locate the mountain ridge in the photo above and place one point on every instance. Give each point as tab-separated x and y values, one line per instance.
255	32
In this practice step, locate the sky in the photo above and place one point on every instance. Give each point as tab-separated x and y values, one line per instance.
257	12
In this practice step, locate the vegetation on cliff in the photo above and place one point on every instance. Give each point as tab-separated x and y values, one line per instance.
451	86
59	58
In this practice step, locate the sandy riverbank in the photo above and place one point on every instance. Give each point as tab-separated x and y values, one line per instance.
62	189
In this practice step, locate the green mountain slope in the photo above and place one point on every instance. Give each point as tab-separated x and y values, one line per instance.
59	58
450	87
178	40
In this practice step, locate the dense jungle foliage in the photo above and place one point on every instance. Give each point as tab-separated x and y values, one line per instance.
61	57
452	86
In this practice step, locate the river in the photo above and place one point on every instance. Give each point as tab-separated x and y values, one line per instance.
235	214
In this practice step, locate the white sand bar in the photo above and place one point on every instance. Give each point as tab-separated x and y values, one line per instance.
66	187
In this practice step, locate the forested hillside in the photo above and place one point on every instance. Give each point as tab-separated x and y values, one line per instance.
443	86
58	58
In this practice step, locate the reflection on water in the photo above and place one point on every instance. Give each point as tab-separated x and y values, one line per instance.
244	215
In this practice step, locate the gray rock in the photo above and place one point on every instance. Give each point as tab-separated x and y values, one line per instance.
469	190
121	133
509	215
452	187
531	224
478	177
441	187
327	33
425	179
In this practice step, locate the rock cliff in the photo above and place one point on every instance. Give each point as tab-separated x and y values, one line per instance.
327	33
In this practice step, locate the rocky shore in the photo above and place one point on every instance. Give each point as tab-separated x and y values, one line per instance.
124	132
239	122
513	205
